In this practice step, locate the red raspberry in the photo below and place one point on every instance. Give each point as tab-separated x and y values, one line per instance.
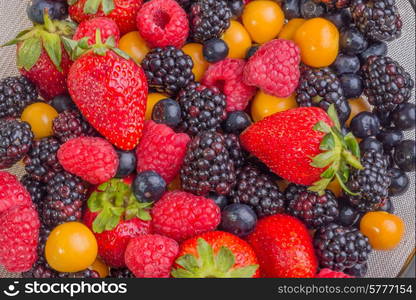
227	76
19	232
151	256
89	27
274	68
180	215
91	158
163	23
161	150
12	192
328	273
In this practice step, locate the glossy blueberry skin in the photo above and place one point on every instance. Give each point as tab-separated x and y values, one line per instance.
348	216
371	143
340	18
251	51
399	182
352	85
62	103
238	219
405	155
352	41
404	116
220	200
236	7
215	50
346	64
57	10
148	186
387	207
310	9
376	48
236	122
358	270
127	163
291	9
390	138
168	112
365	124
384	118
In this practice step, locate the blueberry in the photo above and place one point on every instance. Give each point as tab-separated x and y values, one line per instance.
57	10
371	143
236	122
310	9
168	112
344	110
220	200
377	48
348	216
251	51
291	9
387	207
352	85
215	50
352	41
403	117
365	124
405	155
358	270
399	182
62	103
346	64
127	163
236	7
148	186
390	138
238	219
384	117
340	18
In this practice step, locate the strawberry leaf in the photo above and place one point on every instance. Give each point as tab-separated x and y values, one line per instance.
52	45
29	53
108	6
328	142
224	259
91	7
352	144
188	262
72	2
332	113
322	127
324	159
121	53
244	272
206	253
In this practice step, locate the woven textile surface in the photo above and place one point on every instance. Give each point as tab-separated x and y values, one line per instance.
13	19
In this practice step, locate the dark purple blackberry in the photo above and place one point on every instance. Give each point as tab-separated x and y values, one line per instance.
371	183
321	88
16	137
41	162
71	124
202	108
314	210
258	190
237	154
15	94
87	273
120	273
186	4
339	248
168	69
386	83
65	196
209	19
36	189
378	19
208	166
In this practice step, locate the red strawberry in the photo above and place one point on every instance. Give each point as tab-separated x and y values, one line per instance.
19	233
115	216
328	273
88	28
161	150
283	247
123	12
292	144
216	254
111	92
12	192
42	58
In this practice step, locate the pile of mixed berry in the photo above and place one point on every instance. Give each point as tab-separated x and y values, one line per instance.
204	138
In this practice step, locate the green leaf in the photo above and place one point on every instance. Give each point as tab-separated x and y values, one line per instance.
52	45
100	222
29	53
117	211
343	186
108	6
244	272
329	173
352	144
83	43
324	159
144	215
320	186
94	202
224	260
72	2
351	159
23	35
111	42
328	142
332	113
121	53
112	222
70	46
322	127
206	254
182	273
188	262
50	27
91	7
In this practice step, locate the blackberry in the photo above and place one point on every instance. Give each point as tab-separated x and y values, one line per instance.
16	138
386	83
41	161
71	124
120	273
258	190
87	273
314	210
321	87
209	19
186	4
202	108
339	248
65	196
335	4
233	145
15	94
36	189
377	19
208	166
371	183
168	69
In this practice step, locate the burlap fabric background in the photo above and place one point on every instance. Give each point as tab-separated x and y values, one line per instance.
382	264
